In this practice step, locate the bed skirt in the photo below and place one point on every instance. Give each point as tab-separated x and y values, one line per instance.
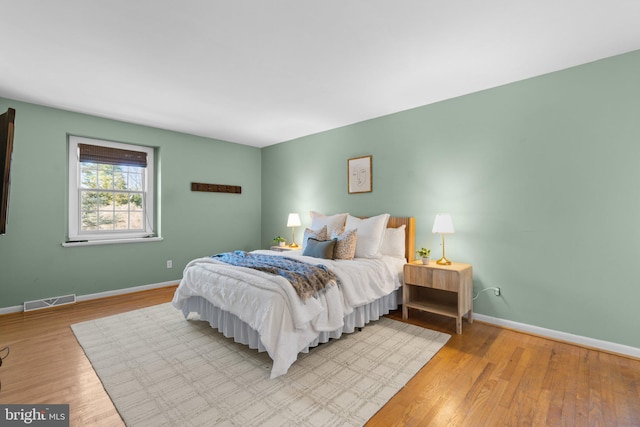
232	327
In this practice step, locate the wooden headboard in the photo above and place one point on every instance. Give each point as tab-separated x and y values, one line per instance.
410	234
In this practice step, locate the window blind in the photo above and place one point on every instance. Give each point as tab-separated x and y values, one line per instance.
111	156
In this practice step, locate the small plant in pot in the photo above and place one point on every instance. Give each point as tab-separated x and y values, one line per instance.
425	254
279	240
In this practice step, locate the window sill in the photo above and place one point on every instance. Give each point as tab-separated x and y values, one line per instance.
111	242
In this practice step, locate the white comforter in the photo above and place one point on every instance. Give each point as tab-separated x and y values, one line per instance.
270	305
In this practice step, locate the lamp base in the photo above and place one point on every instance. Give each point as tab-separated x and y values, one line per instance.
293	238
443	261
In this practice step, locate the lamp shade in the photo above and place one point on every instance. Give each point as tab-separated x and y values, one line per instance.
293	220
443	224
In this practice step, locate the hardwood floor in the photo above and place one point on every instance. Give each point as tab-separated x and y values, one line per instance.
486	377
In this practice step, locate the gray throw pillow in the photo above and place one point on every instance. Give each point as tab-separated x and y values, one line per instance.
319	248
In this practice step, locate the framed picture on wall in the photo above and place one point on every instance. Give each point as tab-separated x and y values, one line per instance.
359	174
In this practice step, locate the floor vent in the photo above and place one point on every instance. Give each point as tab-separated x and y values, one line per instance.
49	302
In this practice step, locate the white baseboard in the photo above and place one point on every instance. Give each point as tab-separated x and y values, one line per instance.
20	308
561	336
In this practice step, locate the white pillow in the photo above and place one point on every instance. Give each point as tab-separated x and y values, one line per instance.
370	234
334	223
393	242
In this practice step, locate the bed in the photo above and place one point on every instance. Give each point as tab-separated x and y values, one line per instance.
262	310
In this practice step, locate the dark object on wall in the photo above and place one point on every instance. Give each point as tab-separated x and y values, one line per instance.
6	148
216	188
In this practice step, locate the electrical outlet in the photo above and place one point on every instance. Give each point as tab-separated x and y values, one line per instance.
496	292
169	263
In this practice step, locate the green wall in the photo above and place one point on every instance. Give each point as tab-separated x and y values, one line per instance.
34	265
541	177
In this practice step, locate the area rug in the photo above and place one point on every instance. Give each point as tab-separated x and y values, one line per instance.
160	369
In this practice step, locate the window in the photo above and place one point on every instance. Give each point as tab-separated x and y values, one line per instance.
111	189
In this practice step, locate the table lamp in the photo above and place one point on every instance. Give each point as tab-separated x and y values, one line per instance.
293	221
443	225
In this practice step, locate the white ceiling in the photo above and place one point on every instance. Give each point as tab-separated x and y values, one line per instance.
260	72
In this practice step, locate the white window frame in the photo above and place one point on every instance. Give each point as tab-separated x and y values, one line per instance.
75	234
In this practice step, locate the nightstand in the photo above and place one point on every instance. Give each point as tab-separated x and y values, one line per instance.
284	248
442	289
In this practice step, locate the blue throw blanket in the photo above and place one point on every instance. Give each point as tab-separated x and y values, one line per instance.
307	279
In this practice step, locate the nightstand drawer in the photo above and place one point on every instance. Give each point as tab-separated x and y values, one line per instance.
432	278
446	280
418	276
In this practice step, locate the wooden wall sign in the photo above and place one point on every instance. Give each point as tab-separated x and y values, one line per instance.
216	188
